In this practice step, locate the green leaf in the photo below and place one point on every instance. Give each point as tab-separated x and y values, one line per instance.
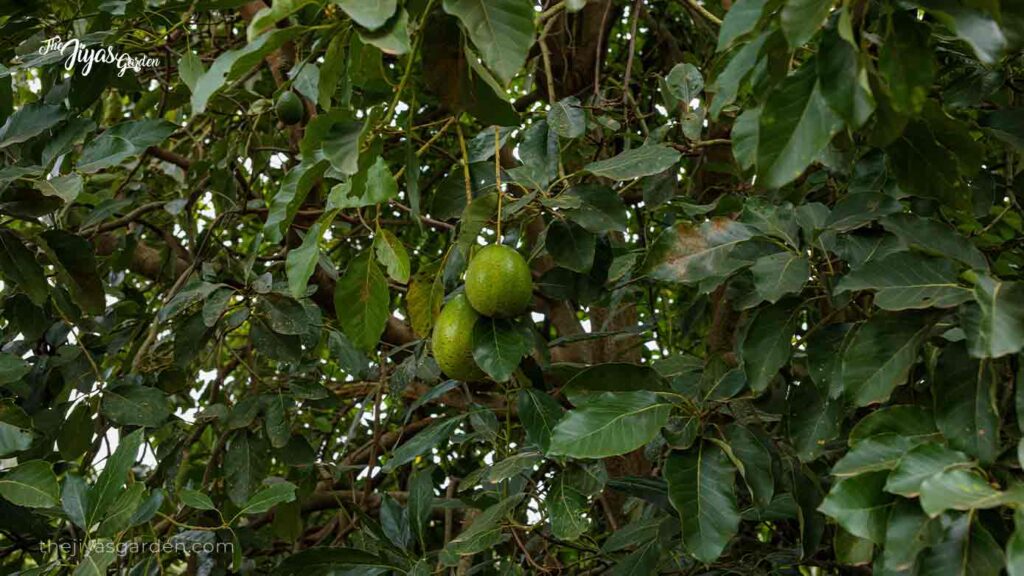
233	64
113	477
132	405
978	28
421	500
905	280
567	119
726	87
881	452
908	532
616	377
370	14
859	505
31	484
570	245
813	420
802	18
18	265
646	160
879	357
964	490
426	439
907	63
195	499
767	344
13	438
567	505
266	18
740	20
66	187
778	275
75	500
843	81
852	550
684	82
73	257
392	255
30	121
934	238
119	516
393	39
362	302
190	68
301	262
501	30
539	414
485	531
966	412
423	301
687	254
856	210
499	345
756	460
796	124
701	488
269	497
12	368
123	141
600	209
911	421
966	550
919	464
245	466
324	561
295	186
380	183
994	322
102	553
1015	547
476	215
609	424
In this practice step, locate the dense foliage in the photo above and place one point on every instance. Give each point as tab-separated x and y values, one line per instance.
776	249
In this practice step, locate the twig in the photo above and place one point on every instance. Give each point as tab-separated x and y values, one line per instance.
700	9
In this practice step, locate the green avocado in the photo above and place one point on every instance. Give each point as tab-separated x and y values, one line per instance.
498	282
289	108
453	340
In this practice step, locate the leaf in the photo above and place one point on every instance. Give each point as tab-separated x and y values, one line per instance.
646	160
269	497
684	82
113	477
907	63
295	186
232	64
567	506
767	343
879	357
190	68
882	452
361	301
843	80
426	439
934	238
132	405
966	550
74	260
123	141
245	466
908	532
978	28
392	255
757	463
393	39
30	121
12	368
966	409
323	561
539	413
616	377
740	20
960	489
75	500
994	322
701	489
919	464
570	246
688	254
600	209
421	500
796	124
18	265
859	505
380	183
66	187
101	554
195	499
778	275
860	208
476	215
31	484
567	118
266	18
485	531
499	345
501	30
609	424
802	18
905	280
813	420
423	301
369	15
726	87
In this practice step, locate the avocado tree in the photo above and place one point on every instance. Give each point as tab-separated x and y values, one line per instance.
511	287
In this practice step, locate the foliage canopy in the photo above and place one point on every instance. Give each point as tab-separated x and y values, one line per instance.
776	247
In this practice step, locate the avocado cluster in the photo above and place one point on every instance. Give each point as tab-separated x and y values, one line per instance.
498	285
